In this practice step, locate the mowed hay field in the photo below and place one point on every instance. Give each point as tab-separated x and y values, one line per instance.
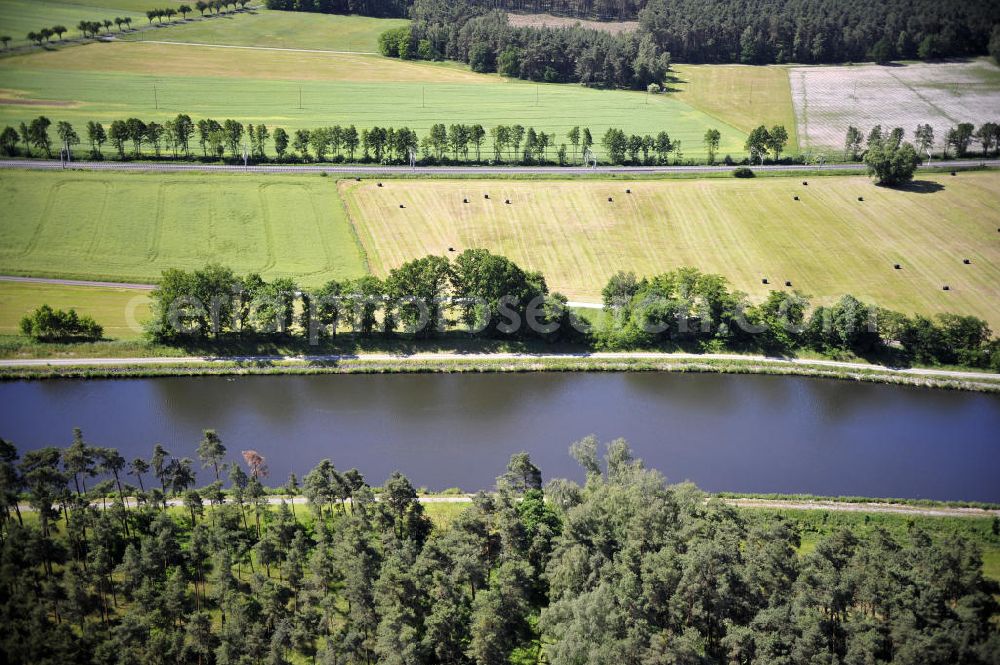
743	96
114	81
827	244
120	311
277	29
830	99
131	227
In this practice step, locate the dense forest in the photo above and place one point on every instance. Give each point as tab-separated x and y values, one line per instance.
623	569
693	31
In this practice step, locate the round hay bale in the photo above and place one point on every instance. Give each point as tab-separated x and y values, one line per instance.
628	191
967	261
401	205
805	183
796	198
610	200
898	267
861	198
380	184
946	288
788	282
764	281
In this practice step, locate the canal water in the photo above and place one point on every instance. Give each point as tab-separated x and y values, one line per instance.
724	432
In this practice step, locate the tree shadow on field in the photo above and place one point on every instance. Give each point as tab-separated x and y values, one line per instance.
672	83
921	187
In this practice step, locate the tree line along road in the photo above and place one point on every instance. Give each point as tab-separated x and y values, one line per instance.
168	167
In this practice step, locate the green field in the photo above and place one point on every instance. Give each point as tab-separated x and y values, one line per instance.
19	17
131	227
113	81
827	244
277	29
120	311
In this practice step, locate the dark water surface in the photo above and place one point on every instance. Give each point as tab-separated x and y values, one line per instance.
724	432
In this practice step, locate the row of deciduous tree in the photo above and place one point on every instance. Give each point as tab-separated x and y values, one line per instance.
484	292
688	307
960	139
455	143
490	296
93	28
624	568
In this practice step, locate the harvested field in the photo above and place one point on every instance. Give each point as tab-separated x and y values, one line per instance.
549	21
829	99
131	227
743	96
827	244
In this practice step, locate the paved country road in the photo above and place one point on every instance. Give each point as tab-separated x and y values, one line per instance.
174	167
77	282
432	357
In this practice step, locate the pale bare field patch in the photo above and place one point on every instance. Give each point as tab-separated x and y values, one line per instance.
829	99
549	21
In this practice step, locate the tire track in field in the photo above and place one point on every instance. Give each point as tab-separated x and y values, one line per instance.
328	263
154	249
100	224
925	100
265	218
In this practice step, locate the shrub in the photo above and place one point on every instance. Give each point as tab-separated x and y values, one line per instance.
892	164
46	323
390	42
743	172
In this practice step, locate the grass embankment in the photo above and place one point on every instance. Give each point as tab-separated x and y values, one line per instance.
105	82
277	29
483	364
131	227
826	244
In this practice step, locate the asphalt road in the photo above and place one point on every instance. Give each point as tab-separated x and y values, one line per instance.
174	167
77	282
